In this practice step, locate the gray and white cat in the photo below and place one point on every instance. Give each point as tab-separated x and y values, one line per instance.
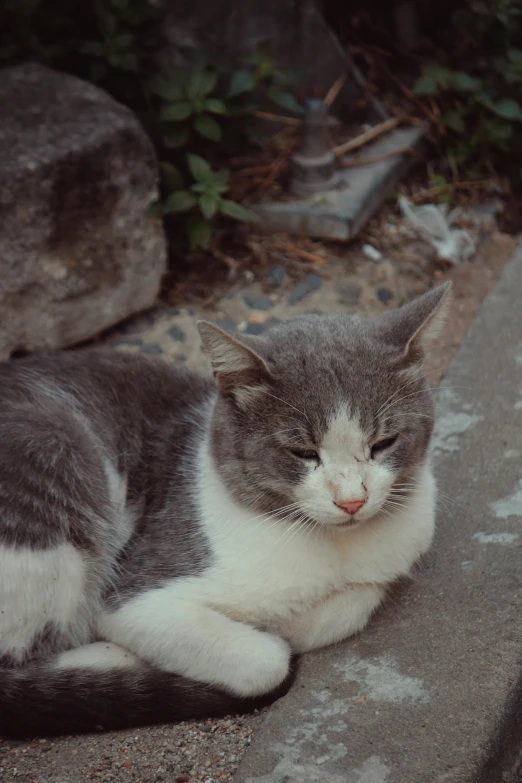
167	542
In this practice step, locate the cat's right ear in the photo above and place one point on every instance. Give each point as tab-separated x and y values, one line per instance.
238	370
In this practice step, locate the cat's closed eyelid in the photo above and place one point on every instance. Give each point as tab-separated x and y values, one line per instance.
382	445
311	455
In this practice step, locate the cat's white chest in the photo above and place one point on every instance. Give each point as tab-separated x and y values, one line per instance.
263	571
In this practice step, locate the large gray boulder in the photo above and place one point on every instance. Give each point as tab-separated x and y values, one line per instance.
78	252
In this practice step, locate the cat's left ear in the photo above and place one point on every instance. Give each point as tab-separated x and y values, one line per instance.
239	371
413	326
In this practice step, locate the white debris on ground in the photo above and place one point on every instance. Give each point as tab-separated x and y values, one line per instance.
438	226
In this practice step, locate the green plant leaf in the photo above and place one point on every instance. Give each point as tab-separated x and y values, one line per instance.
208	204
166	88
442	77
201	83
282	78
176	111
466	83
200	169
496	130
215	106
199	232
285	99
426	85
179	201
455	120
437	180
175	137
515	56
236	211
171	176
155	209
508	109
265	70
241	81
485	100
220	181
207	126
221	176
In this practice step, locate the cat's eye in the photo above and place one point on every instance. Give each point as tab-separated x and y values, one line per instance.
308	454
382	445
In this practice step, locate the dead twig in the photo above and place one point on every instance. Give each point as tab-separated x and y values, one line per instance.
230	262
353	164
335	89
251	171
300	264
413	98
426	195
364	138
313	258
278	166
267	115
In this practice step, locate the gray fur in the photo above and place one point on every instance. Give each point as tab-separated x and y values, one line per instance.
315	363
65	417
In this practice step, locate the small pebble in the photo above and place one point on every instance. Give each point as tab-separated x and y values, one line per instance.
372	253
226	323
259	328
384	294
152	349
307	286
276	275
257	301
176	333
128	341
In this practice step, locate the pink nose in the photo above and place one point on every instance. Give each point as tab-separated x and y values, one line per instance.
351	506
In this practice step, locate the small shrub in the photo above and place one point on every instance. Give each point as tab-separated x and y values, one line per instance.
480	109
194	112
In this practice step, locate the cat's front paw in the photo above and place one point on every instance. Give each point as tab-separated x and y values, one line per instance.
259	665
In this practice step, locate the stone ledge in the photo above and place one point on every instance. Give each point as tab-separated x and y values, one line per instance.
342	212
77	173
431	690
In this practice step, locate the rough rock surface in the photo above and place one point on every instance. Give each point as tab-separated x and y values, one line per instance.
78	252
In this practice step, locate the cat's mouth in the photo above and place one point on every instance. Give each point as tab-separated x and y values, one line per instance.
347	524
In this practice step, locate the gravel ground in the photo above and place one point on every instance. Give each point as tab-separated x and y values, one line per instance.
206	752
210	752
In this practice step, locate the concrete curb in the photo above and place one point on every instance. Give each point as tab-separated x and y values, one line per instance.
431	691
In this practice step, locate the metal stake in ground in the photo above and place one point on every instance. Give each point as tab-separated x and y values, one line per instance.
313	165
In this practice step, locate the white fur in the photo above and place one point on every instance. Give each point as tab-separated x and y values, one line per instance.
311	586
345	473
171	630
333	619
99	655
38	587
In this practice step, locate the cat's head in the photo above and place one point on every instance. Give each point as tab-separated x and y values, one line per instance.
326	417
